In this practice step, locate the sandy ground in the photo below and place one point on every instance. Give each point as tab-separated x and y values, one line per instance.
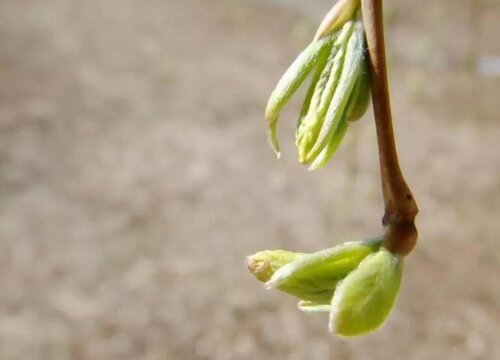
135	176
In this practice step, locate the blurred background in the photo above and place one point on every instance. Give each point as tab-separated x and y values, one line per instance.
135	176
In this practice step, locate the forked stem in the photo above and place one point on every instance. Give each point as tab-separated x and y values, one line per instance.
400	205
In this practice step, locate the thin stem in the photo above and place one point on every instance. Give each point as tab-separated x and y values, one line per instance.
400	205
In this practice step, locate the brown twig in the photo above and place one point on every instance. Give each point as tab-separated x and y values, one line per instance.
400	205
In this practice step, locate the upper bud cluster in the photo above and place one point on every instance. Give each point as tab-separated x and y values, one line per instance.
339	89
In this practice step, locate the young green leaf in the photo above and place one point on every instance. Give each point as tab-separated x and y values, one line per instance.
291	81
317	80
322	95
332	146
351	70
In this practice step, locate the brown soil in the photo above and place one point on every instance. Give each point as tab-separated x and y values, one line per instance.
135	176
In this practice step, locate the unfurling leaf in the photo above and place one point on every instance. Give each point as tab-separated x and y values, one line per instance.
291	81
351	70
338	89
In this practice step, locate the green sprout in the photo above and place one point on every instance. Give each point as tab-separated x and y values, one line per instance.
339	91
357	283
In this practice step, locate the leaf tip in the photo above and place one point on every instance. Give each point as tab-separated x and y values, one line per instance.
273	136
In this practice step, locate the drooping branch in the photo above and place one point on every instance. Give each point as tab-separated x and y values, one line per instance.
400	205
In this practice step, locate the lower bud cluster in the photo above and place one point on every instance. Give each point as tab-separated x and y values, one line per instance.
357	283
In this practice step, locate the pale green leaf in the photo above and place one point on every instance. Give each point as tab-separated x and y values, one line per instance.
322	95
351	70
330	149
291	81
360	97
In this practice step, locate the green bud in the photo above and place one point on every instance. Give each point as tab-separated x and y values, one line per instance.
356	282
314	277
363	300
266	263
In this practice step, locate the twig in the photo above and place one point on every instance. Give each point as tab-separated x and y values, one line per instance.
400	205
